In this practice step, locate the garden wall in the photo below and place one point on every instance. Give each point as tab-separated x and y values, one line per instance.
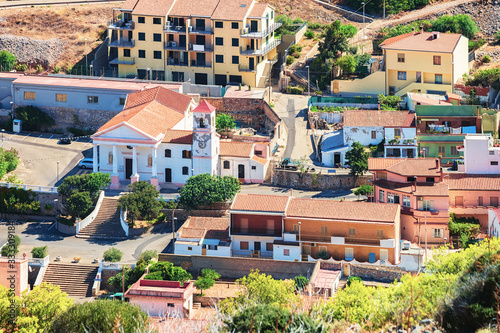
315	181
382	274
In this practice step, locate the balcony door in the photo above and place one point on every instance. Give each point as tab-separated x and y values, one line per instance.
251	63
200	40
254	26
200	24
182	40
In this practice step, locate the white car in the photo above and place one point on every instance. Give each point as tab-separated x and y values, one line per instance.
87	163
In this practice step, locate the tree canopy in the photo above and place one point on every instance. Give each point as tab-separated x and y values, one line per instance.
224	122
78	204
142	202
91	183
7	60
357	158
205	189
206	279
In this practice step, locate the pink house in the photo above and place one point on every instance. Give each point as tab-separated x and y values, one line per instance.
14	274
417	186
162	298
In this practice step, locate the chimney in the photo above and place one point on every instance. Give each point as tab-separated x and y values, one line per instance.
415	183
421	29
435	34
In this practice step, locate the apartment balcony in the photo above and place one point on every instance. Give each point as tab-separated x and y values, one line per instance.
174	46
121	25
201	48
203	64
246	68
175	29
123	61
127	43
176	62
200	30
400	142
247	33
262	51
255	232
341	240
252	254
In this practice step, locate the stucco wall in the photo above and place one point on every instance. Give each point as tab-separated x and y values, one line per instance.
363	135
20	272
373	84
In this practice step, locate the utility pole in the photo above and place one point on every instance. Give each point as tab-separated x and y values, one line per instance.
363	19
86	60
384	9
308	83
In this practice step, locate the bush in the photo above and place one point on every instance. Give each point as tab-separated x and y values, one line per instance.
21	67
12	247
309	34
7	60
39	68
289	59
351	279
18	200
142	202
295	90
33	118
224	122
169	272
206	279
486	58
9	160
91	183
295	48
300	282
112	255
364	189
40	252
78	204
206	189
485	78
57	69
80	132
476	44
148	255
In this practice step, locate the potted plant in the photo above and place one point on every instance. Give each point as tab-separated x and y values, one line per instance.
393	141
77	259
58	258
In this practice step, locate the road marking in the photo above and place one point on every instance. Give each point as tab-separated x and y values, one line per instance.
11	136
88	143
77	139
53	224
38	138
48	138
40	224
26	136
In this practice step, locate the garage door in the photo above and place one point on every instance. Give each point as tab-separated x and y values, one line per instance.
220	80
200	78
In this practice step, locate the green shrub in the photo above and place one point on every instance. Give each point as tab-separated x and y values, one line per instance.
154	276
12	246
476	44
300	282
80	132
486	58
289	59
148	255
40	252
39	68
351	279
33	118
309	34
7	60
142	202
21	67
9	160
112	255
295	90
485	78
364	189
48	207
295	48
169	272
57	69
206	189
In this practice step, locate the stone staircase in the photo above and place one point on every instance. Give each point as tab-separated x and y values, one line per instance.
107	224
196	306
73	279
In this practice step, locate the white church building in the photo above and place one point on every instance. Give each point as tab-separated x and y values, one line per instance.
165	137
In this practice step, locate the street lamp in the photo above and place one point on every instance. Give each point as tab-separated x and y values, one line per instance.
57	172
86	59
3	131
91	66
147	73
363	19
308	83
300	244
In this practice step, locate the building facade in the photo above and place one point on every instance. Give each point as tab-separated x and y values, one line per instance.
207	42
481	154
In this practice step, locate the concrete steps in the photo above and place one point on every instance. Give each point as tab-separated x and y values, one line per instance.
107	224
73	279
196	306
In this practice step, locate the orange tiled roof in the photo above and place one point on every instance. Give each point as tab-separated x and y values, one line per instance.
129	4
167	97
178	136
406	166
347	210
207	227
236	149
423	42
258	10
259	159
232	10
363	118
423	189
462	181
260	202
394	39
204	8
188	232
153	7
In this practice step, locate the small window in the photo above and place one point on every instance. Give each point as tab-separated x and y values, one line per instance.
453	151
172	305
272	15
286	252
480	201
61	98
168	153
219	24
219	58
429	179
491	152
441	150
384	254
349	253
258	152
126	53
402	75
227	165
493	162
141	19
219	41
406	201
157	54
352	232
324	230
437	60
254	167
92	99
374	134
401	57
235	42
397	132
243	245
122	100
437	233
269	247
234	25
439	79
410	179
390	197
236	60
29	95
141	36
190	248
380	233
186	154
381	195
185	170
494	201
142	53
150	160
156	37
427	205
156	20
202	123
110	158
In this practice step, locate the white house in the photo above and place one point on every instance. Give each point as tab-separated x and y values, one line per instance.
480	154
247	161
494	222
400	142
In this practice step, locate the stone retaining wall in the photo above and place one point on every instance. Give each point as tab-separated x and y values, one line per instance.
80	118
317	181
382	274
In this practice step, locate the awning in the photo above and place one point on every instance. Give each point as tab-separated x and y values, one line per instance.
429	119
211	242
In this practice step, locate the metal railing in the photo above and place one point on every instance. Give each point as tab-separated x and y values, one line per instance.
195	63
39	261
201	48
247	33
204	31
123	61
263	50
179	29
174	46
176	62
34	188
255	231
120	24
246	68
122	42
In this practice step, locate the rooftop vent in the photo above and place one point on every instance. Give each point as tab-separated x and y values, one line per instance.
435	34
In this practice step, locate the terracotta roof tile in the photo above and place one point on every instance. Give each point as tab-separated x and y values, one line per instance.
394	39
347	210
232	10
211	227
191	233
236	149
260	202
194	8
406	166
153	7
178	136
258	10
167	97
259	159
129	4
361	118
204	107
472	182
424	42
423	189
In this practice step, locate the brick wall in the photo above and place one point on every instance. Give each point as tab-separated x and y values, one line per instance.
316	181
382	274
235	268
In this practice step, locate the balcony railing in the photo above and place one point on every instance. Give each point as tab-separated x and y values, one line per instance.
247	33
176	62
122	43
123	61
174	46
343	240
256	232
195	63
121	25
263	50
201	48
246	68
401	141
200	31
175	29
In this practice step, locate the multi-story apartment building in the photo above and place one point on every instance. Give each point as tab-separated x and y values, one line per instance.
207	41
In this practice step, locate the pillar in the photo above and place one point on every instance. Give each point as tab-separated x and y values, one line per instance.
95	167
115	181
154	169
135	175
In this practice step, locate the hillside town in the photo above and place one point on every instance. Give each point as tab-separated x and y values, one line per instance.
250	166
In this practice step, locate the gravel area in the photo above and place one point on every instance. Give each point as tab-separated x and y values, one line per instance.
44	52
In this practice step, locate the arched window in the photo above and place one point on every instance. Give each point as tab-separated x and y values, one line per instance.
227	165
168	153
150	160
110	157
202	122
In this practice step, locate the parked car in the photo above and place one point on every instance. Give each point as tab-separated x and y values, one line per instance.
66	140
87	163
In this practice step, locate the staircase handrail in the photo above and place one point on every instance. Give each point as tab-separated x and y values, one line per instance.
44	265
86	221
123	221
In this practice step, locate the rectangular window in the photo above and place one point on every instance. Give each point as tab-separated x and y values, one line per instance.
439	79
29	95
254	167
141	19
401	57
494	201
219	24
122	100
141	36
168	153
236	60
352	232
219	41
142	53
381	195
397	132
61	98
243	245
126	53
380	233
384	254
156	37
92	99
454	151
480	201
234	25
349	253
437	233
410	179
429	179
157	54
390	197
459	201
227	165
156	20
382	175
269	247
178	76
219	58
493	162
186	154
295	228
286	252
441	150
491	152
374	134
190	248
171	305
427	205
324	230
235	42
406	201
185	170
401	75
437	60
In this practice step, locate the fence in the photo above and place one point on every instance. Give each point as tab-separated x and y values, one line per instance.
34	188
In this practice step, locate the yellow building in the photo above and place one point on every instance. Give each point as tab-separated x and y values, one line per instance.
423	62
204	41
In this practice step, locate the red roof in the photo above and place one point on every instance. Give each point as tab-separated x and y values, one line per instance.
394	39
406	166
369	118
423	42
462	181
178	136
204	107
204	8
167	97
259	159
153	7
423	189
207	227
232	10
347	210
260	202
236	149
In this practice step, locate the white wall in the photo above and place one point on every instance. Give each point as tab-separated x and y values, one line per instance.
235	244
461	58
180	248
222	251
493	224
363	135
251	176
477	158
409	262
406	133
294	252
